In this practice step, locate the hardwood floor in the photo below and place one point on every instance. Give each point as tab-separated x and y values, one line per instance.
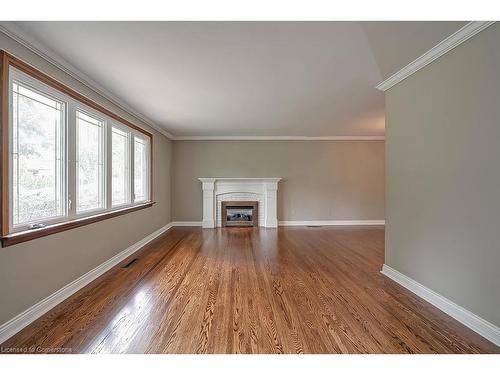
245	290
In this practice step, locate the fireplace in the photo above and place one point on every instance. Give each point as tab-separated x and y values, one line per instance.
240	214
216	190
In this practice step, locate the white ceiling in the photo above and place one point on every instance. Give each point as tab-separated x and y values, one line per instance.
245	78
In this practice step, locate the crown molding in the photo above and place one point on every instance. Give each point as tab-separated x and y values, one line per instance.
454	40
281	138
15	33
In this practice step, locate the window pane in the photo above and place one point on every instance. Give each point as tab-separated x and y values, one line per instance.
90	166
120	167
37	168
140	169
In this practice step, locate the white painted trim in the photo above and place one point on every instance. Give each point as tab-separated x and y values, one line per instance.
262	189
295	223
452	41
240	179
15	33
186	223
20	321
289	223
467	318
280	138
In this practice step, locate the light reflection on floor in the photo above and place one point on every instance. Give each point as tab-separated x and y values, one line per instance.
124	325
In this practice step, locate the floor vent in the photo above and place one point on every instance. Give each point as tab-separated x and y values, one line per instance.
314	226
130	263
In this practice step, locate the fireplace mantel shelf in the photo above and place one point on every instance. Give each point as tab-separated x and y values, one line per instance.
218	189
253	179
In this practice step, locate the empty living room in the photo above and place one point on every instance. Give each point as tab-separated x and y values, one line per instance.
180	182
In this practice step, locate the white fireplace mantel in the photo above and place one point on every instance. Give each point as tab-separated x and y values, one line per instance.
218	189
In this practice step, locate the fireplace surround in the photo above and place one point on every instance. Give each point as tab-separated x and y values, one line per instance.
217	190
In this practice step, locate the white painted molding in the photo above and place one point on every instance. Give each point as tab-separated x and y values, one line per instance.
464	316
20	321
295	223
265	189
454	40
186	223
290	223
239	179
15	33
280	138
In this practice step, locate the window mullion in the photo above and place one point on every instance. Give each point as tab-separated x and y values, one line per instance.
132	162
71	160
148	170
108	165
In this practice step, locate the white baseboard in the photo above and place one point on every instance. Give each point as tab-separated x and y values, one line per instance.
20	321
331	222
484	328
186	223
295	223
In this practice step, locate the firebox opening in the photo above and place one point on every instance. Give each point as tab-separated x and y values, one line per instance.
239	214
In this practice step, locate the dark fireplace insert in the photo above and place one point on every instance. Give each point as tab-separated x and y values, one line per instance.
240	214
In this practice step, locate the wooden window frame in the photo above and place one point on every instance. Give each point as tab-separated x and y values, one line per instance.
6	62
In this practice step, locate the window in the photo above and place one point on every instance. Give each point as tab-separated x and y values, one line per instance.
121	166
69	158
38	123
89	163
141	169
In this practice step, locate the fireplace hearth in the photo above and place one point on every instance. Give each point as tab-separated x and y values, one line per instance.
240	214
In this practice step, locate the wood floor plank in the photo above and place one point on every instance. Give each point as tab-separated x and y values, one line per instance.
249	290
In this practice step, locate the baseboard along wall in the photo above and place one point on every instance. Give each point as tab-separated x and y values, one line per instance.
287	223
14	325
486	329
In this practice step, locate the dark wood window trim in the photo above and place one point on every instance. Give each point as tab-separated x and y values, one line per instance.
7	61
28	235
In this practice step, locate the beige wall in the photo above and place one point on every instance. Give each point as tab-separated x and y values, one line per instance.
322	180
443	175
33	270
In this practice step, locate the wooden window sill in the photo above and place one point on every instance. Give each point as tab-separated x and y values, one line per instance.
15	238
